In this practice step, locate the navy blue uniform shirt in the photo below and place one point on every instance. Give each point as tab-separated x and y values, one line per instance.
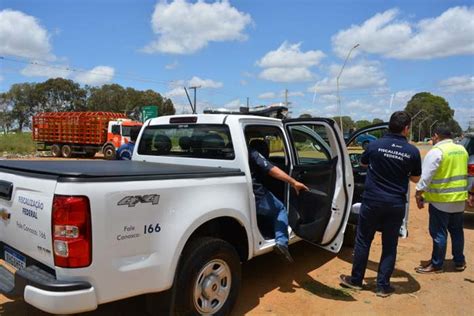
259	168
391	161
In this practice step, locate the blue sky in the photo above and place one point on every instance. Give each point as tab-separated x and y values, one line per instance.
254	49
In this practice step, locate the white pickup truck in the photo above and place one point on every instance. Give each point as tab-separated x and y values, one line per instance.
181	215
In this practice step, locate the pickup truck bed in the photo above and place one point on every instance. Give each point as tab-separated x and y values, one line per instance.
99	171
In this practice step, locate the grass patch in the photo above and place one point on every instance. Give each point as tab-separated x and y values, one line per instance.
320	289
17	143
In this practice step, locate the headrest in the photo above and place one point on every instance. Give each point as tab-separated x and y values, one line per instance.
185	142
162	144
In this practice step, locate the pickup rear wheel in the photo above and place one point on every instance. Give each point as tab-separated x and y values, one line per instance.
209	278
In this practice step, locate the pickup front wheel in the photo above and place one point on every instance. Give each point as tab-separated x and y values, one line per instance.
208	279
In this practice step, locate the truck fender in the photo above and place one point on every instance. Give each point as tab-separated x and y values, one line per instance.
107	144
198	222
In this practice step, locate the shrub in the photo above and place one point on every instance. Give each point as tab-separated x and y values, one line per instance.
17	143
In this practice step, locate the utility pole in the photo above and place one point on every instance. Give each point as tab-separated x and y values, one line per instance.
248	106
411	123
432	126
194	88
286	97
337	85
419	127
189	100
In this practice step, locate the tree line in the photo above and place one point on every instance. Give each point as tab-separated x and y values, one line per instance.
426	109
23	100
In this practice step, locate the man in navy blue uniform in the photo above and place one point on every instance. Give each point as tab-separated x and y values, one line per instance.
391	163
125	151
267	204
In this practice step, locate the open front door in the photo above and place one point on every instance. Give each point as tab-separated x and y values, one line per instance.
356	144
321	162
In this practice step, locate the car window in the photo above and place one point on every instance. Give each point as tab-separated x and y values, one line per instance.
210	141
309	146
357	146
273	137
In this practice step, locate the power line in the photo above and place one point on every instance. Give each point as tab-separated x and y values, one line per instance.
74	69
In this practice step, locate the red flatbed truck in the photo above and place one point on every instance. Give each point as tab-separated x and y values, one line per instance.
85	133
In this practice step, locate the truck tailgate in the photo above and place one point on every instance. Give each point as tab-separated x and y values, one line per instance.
25	219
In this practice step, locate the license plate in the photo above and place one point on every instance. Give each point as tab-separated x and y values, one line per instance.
14	258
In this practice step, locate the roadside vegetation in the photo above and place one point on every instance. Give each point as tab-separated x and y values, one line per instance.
16	143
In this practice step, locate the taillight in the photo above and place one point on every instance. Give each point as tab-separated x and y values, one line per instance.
72	233
470	169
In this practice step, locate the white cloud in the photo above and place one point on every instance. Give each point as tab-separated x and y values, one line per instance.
97	76
449	34
281	94
401	99
290	56
177	87
267	95
293	94
176	92
243	82
172	66
234	104
39	69
204	83
458	84
185	28
330	109
286	74
289	64
22	35
364	75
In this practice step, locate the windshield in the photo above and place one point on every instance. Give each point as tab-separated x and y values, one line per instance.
127	129
210	141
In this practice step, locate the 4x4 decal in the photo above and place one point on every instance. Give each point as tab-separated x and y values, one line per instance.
133	200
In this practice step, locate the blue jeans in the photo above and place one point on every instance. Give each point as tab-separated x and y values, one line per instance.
270	206
440	223
375	216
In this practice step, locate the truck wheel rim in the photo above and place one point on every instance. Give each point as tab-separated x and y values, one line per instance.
212	287
109	152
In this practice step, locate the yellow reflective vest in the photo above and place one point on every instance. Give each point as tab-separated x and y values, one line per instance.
449	183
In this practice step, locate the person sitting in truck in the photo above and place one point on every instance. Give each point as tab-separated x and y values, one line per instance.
266	202
125	151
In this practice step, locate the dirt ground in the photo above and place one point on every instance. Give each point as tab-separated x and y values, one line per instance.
310	286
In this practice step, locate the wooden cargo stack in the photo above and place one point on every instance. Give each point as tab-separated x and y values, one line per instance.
88	128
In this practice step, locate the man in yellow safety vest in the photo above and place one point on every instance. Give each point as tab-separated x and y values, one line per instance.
443	184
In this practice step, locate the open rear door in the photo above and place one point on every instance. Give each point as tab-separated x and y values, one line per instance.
321	162
356	144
